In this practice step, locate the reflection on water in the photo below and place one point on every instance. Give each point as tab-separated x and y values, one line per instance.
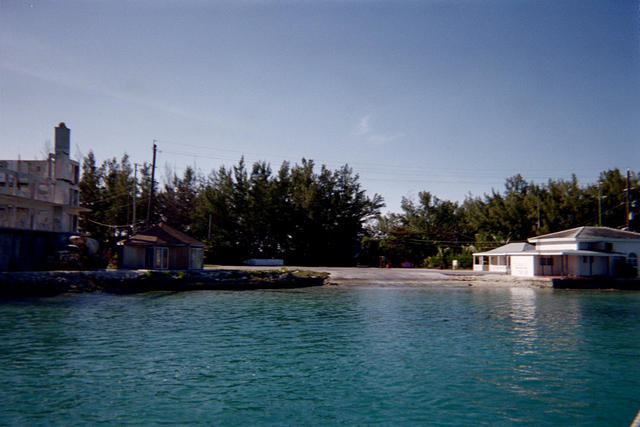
523	314
323	356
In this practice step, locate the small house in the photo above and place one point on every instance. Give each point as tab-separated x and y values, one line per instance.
498	260
577	252
161	247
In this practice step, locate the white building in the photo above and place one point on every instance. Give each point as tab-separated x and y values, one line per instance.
41	195
578	252
498	260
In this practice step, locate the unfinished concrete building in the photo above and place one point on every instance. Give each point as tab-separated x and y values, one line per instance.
39	204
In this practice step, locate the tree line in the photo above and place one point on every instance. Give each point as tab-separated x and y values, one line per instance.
432	232
313	215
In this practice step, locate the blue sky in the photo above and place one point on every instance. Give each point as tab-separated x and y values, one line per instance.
450	97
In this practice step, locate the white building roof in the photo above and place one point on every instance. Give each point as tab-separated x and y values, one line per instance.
508	249
526	249
574	252
588	234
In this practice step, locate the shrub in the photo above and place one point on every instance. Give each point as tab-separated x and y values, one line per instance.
464	260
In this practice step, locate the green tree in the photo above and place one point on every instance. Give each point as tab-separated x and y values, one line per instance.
176	203
91	195
613	185
299	215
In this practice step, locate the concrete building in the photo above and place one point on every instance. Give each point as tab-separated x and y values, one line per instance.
38	206
41	195
577	252
161	248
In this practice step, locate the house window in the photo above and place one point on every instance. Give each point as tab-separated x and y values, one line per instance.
632	259
161	258
585	260
546	261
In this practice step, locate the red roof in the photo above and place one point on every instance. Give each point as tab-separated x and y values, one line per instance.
161	234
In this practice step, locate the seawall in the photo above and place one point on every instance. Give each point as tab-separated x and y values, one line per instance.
597	283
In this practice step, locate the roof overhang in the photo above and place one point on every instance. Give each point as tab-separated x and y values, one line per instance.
23	201
534	240
574	252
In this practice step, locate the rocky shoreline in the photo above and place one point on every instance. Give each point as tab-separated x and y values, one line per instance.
50	283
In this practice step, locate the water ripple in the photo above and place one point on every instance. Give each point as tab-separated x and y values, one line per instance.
323	356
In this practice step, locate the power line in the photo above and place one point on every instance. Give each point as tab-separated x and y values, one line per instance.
217	148
113	226
404	174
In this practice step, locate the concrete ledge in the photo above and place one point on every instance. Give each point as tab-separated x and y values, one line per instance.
597	283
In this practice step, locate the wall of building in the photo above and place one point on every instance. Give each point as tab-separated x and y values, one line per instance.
23	215
627	247
573	266
179	258
132	257
24	250
556	246
479	263
592	266
522	266
551	265
41	194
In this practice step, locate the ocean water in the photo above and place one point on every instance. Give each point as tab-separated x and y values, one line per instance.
331	355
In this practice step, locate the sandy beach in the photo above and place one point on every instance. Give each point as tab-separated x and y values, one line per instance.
352	276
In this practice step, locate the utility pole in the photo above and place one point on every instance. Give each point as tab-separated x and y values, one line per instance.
599	206
135	191
153	174
628	201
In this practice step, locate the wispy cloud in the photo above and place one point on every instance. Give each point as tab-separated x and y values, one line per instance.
364	130
363	127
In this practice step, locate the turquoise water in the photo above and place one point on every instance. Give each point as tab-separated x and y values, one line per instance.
386	355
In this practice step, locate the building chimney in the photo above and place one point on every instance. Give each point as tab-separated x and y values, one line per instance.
62	139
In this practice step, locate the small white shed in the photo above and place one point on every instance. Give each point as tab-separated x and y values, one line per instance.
498	260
